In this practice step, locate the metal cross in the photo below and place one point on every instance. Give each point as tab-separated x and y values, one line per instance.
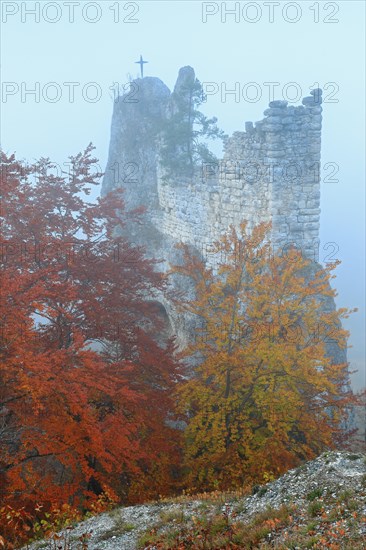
141	63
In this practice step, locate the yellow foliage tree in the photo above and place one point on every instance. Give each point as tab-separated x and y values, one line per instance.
266	393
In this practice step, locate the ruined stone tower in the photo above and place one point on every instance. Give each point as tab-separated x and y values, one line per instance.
270	171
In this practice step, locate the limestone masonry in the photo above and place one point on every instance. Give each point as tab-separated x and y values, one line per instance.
270	171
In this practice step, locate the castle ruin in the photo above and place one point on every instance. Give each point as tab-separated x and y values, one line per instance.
269	172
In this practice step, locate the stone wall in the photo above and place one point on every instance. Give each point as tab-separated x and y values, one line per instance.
269	172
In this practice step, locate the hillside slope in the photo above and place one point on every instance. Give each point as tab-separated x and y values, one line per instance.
321	504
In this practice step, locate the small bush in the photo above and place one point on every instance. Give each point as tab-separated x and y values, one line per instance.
316	493
344	495
315	507
310	527
176	516
147	538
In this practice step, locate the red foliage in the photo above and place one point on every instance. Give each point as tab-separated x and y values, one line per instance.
84	389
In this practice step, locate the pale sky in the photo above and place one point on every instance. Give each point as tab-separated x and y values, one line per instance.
95	44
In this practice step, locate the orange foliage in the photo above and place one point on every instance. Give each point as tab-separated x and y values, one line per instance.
267	394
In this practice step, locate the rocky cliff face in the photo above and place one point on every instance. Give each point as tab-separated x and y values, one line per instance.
132	161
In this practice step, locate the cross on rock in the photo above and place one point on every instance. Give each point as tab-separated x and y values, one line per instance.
141	63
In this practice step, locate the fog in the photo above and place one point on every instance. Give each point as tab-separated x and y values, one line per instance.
258	48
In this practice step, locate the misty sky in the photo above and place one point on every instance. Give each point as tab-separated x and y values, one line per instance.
269	42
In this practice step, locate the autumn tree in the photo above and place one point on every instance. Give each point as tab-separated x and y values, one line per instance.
266	393
85	391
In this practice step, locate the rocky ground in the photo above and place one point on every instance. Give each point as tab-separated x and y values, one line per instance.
321	504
